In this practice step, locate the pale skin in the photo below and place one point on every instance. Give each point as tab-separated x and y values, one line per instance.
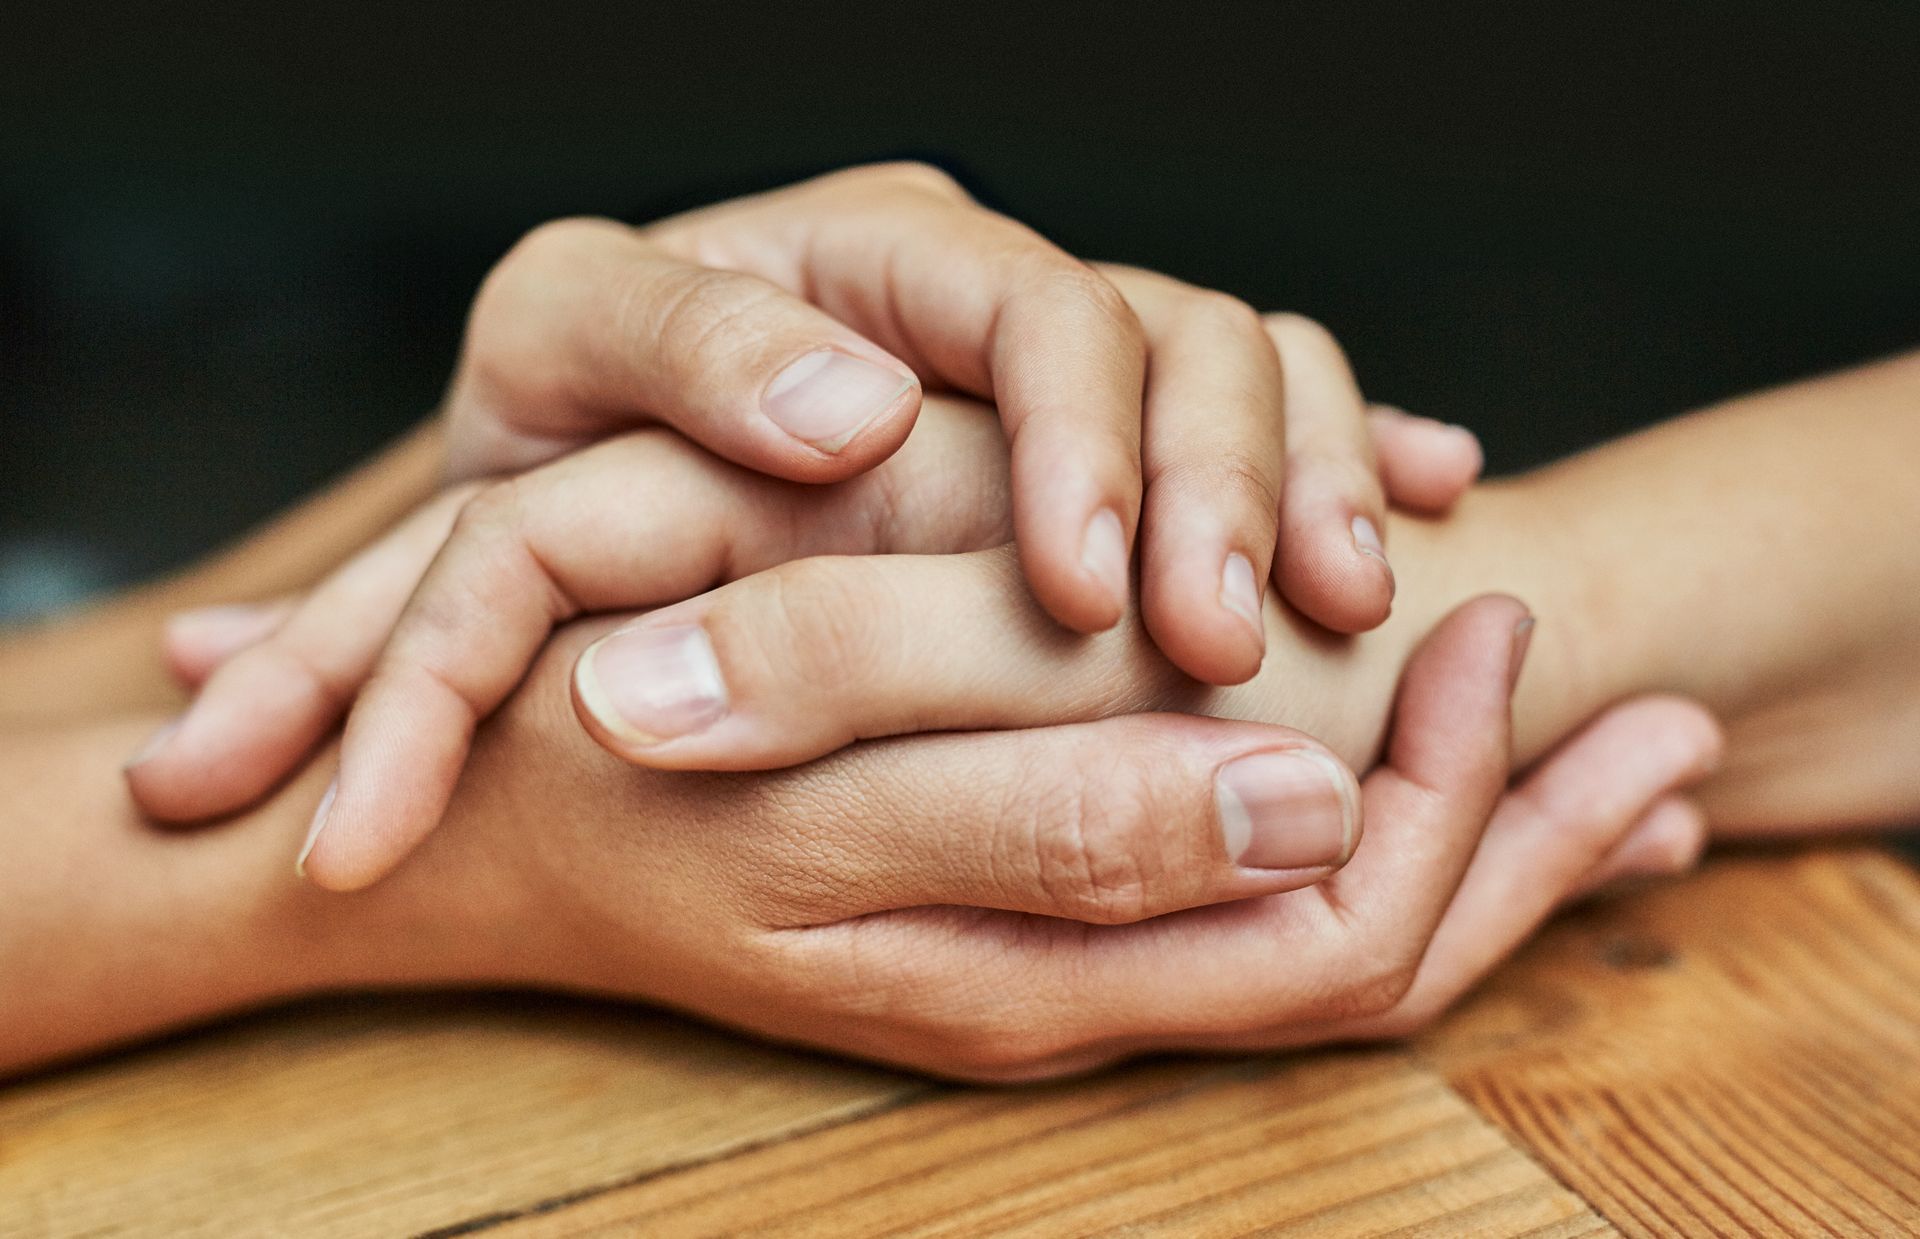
1121	828
1120	393
591	326
1802	643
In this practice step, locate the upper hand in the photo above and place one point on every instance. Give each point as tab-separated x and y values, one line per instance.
789	332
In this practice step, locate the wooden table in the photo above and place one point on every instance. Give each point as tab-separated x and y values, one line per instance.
1735	1054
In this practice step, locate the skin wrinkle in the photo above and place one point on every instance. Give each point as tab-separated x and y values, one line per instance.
712	306
1146	840
1063	856
677	915
831	627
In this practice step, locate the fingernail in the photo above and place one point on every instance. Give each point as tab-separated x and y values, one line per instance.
646	684
1103	553
1285	810
1522	638
314	827
1367	539
827	396
1238	593
154	743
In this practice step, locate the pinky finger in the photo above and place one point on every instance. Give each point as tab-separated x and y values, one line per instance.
195	643
1666	842
1576	812
1425	465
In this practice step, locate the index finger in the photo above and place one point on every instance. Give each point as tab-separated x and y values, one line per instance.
973	300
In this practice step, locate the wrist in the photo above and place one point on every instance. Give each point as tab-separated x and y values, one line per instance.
1516	537
430	924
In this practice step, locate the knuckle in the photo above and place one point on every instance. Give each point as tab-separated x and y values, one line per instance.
1071	287
822	620
560	239
915	174
1239	476
543	256
691	319
1222	314
283	660
1343	470
1298	329
1104	848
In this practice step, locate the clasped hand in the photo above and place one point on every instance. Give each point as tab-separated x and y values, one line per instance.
1111	845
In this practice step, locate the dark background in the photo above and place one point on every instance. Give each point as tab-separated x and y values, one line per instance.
237	241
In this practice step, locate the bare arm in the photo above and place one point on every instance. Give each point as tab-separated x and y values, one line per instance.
112	929
1759	556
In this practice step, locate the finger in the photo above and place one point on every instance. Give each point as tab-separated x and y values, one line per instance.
588	327
1331	564
795	662
1667	841
1248	968
1425	465
263	709
577	536
978	302
571	537
1105	822
1354	940
1558	827
1215	450
195	642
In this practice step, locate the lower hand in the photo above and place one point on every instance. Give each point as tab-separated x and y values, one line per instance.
1016	905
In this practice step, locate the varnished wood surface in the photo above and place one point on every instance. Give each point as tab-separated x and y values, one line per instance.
1738	1053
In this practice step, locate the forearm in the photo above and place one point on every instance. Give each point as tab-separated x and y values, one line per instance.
111	929
1757	556
108	659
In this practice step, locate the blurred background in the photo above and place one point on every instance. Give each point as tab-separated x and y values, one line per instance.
237	241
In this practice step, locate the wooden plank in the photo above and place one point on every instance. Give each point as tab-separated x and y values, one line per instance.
1739	1053
1334	1144
397	1116
1734	1053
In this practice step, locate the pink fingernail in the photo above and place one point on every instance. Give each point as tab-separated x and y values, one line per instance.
1367	539
1522	639
318	824
1103	553
648	684
1284	810
1239	592
827	397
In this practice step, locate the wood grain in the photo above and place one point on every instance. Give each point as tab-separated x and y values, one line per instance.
1739	1054
1735	1054
396	1116
1328	1144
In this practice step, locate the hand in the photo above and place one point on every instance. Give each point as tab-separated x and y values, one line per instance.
784	332
977	905
530	553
